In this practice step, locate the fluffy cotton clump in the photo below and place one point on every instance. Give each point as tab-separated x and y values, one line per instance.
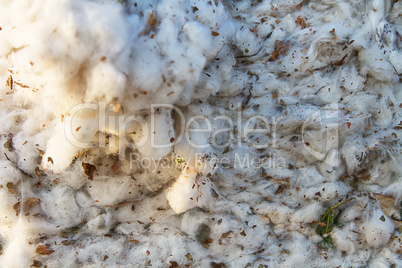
378	229
200	133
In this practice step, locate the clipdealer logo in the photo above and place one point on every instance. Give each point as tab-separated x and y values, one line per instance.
258	132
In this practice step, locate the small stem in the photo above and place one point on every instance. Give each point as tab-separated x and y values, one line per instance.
341	203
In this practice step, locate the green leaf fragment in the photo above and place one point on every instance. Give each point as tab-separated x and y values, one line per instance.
326	223
327	242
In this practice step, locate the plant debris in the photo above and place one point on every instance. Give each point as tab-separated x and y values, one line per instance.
203	233
28	204
389	207
9	143
326	223
10	187
280	48
301	22
89	170
9	82
44	250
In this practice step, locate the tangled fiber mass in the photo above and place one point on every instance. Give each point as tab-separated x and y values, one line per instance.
296	161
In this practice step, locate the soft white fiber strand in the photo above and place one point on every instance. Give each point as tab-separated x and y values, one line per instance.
128	133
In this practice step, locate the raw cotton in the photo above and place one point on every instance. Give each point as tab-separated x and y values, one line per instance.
200	133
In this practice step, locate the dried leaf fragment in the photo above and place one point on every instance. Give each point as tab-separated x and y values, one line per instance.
67	242
89	170
301	22
389	208
194	9
151	20
299	6
340	62
326	223
39	172
36	263
115	169
151	25
280	48
203	233
217	265
189	257
9	143
173	264
44	250
214	33
21	84
10	187
9	82
28	204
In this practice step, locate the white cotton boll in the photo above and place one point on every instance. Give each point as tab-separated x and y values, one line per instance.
395	189
241	210
309	176
157	140
59	154
375	13
226	31
16	252
350	213
7	122
8	173
77	132
344	238
8	215
105	81
375	63
382	114
377	229
352	148
294	117
198	35
300	252
100	224
111	191
191	221
84	201
73	177
145	65
388	254
327	191
360	101
95	248
394	58
189	191
59	204
183	194
211	15
277	213
29	154
378	262
351	79
208	84
233	85
246	41
307	214
328	94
